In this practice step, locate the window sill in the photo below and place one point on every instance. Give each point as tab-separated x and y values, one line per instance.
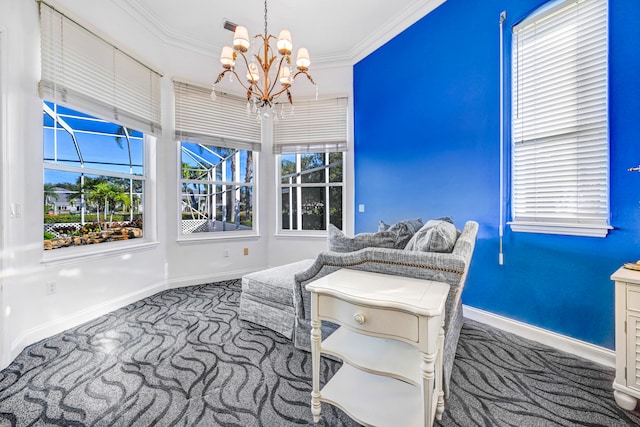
583	230
213	237
301	234
79	254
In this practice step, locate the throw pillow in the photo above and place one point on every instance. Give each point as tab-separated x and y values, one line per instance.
338	242
405	230
434	236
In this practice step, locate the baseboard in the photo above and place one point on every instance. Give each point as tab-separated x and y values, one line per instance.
583	349
208	278
49	329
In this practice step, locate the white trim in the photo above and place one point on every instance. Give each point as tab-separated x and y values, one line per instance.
563	229
416	10
583	349
82	254
210	278
301	234
394	26
4	190
49	329
215	236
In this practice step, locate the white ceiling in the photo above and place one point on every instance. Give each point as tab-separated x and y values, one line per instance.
334	31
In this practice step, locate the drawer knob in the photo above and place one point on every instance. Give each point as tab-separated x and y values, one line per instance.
358	318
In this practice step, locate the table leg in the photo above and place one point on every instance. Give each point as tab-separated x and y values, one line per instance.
440	375
428	381
315	363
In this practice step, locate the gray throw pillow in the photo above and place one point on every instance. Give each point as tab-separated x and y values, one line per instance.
434	236
338	242
405	230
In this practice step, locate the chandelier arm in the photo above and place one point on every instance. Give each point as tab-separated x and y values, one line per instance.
277	79
306	74
248	88
277	94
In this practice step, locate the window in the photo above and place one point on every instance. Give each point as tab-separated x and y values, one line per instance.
218	150
93	179
311	145
311	190
217	188
101	107
560	148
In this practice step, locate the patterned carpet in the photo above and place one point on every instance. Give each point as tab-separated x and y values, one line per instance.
182	358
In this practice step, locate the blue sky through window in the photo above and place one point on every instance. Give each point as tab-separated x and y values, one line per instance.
98	144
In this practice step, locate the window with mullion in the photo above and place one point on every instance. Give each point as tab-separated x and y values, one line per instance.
311	190
216	188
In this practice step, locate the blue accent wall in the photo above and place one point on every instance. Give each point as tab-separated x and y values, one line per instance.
426	122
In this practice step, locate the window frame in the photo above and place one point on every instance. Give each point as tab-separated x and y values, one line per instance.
554	223
326	185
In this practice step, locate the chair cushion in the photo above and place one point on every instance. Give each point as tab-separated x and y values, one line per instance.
274	284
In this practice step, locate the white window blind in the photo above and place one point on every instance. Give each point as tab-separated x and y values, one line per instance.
221	122
83	71
314	127
560	147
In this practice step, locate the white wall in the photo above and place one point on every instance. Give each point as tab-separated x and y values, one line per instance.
90	286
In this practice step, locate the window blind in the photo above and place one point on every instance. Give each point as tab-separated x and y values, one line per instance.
560	148
314	127
221	122
83	71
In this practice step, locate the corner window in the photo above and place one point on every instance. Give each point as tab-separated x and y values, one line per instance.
93	179
311	191
310	146
219	145
217	189
560	146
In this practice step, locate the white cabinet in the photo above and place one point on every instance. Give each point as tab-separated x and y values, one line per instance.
627	304
390	341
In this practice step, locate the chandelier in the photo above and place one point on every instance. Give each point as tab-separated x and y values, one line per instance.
268	75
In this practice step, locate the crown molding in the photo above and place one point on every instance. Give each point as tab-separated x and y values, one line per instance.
163	32
401	21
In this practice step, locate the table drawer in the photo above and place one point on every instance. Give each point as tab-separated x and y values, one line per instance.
380	321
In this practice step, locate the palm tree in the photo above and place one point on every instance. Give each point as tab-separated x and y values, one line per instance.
103	193
50	195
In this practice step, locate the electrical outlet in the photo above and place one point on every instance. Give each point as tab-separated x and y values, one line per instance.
225	253
246	251
15	210
51	288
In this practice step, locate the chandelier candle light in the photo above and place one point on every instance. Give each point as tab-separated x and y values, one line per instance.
261	81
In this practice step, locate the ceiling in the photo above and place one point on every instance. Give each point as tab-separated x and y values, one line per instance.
332	30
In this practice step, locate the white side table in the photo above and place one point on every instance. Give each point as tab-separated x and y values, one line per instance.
391	342
626	384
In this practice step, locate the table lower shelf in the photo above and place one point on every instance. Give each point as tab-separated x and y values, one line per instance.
376	355
374	399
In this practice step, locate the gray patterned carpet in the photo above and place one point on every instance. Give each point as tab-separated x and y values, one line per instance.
182	357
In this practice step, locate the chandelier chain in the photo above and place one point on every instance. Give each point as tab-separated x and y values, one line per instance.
265	19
